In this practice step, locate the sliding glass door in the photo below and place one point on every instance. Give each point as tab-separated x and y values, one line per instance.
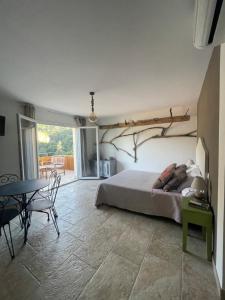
88	153
28	147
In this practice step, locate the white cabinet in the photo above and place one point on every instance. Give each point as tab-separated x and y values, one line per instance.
107	167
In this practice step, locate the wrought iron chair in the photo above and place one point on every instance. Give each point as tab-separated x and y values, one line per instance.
8	211
52	178
10	178
46	204
47	193
59	163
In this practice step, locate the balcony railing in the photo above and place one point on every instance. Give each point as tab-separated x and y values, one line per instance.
66	160
63	164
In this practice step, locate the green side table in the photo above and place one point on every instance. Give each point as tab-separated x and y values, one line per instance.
200	217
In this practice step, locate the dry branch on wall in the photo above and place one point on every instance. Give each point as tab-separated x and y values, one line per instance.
171	119
136	135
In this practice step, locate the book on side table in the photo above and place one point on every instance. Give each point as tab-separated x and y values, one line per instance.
196	203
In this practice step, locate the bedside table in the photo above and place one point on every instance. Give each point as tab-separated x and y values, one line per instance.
200	217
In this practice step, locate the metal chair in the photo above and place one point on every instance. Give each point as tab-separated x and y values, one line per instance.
7	213
46	204
59	163
47	193
7	179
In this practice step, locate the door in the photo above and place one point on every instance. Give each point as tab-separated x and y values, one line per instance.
28	147
88	153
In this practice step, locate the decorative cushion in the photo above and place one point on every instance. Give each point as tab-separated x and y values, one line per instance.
177	179
180	168
165	176
185	184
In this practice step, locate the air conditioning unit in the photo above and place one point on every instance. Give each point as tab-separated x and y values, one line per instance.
209	23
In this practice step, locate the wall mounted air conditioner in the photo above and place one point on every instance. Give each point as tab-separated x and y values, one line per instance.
209	23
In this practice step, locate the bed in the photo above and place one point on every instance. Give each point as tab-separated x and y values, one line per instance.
132	190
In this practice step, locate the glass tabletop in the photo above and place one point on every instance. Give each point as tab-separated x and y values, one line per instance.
23	187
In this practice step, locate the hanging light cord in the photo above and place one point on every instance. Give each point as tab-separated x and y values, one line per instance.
92	117
92	103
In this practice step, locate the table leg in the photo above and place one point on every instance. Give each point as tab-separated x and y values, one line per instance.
27	214
25	217
185	234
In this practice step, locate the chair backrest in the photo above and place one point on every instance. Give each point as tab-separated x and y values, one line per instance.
55	189
5	202
8	178
58	159
52	180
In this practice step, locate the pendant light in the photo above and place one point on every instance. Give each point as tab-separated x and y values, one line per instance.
92	117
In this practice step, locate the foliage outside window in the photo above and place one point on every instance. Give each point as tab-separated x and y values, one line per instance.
54	140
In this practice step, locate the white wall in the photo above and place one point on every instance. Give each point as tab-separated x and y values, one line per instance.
155	154
220	263
52	117
9	147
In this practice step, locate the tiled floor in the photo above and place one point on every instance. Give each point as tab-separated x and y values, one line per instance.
68	177
101	254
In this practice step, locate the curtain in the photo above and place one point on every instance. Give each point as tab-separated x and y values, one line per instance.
81	146
29	110
79	121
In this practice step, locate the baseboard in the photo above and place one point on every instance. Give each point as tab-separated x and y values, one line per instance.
221	291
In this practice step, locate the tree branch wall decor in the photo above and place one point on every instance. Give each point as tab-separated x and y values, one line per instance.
137	134
154	121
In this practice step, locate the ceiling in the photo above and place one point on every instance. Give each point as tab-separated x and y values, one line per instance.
136	54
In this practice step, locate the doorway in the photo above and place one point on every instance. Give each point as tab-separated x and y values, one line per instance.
56	151
27	129
88	152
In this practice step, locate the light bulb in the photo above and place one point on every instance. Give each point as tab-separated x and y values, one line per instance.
92	118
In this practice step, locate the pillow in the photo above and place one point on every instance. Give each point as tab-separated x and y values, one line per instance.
177	179
164	177
178	176
189	163
194	171
185	184
180	168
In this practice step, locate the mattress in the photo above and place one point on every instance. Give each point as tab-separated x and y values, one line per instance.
132	190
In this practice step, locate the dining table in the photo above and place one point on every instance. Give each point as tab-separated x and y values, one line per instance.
24	192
